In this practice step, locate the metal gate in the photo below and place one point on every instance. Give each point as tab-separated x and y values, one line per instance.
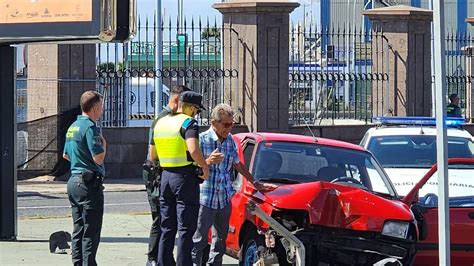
332	73
192	56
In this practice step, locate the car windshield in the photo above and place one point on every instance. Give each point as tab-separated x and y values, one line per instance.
292	163
416	151
461	188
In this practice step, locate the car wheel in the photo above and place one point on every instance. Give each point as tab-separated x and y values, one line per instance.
249	248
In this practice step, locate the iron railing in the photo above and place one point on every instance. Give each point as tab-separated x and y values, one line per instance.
459	69
332	73
192	56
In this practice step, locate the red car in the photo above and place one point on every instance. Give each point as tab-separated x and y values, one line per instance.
461	215
334	204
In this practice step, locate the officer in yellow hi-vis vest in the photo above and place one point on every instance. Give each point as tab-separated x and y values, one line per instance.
176	146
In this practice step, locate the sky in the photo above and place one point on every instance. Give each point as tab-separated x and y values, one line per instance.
199	8
204	8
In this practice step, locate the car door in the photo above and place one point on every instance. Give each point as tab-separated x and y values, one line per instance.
461	198
246	149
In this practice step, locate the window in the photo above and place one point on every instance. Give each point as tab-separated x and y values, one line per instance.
292	162
415	151
248	151
461	188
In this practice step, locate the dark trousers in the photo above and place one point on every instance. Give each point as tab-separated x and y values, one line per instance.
155	231
179	202
87	203
154	201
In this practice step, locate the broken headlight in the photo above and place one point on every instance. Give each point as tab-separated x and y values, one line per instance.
396	229
291	219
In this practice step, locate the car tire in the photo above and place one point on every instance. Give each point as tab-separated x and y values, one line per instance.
250	247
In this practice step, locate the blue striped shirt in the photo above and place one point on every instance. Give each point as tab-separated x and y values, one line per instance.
217	191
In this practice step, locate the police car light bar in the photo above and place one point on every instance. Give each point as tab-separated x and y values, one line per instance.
416	121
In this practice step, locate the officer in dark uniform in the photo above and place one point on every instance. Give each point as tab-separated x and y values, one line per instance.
85	148
176	139
453	109
152	176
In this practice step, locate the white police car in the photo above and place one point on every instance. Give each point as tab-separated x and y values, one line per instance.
406	148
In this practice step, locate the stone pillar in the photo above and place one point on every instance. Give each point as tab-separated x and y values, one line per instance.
259	47
57	75
407	30
469	67
469	101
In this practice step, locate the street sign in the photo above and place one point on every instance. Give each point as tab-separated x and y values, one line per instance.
67	20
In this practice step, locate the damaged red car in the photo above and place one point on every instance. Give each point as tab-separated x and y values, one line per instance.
334	205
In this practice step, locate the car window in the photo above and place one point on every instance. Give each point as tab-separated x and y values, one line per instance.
461	188
288	162
248	151
415	151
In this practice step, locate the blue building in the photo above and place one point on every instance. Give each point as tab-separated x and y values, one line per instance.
340	13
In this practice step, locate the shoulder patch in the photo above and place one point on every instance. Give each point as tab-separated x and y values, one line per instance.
188	122
72	131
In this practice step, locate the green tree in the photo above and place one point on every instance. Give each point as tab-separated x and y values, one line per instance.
211	32
111	66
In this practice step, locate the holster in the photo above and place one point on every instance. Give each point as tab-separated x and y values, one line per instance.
87	175
152	177
198	173
92	177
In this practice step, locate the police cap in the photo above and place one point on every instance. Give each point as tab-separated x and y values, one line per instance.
192	98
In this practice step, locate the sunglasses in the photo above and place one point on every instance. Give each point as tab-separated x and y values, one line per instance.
197	109
227	125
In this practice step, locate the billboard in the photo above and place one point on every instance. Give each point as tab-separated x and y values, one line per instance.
67	20
45	11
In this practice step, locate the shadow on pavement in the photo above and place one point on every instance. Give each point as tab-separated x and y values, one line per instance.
35	194
31	240
124	240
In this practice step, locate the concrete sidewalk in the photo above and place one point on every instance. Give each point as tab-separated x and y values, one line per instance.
124	242
124	238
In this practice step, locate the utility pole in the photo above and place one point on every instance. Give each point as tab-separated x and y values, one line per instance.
8	161
441	134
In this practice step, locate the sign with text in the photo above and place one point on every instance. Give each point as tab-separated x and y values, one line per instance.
45	11
67	20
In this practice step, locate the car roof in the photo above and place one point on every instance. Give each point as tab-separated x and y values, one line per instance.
415	130
262	136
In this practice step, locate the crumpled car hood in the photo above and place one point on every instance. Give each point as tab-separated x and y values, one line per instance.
337	205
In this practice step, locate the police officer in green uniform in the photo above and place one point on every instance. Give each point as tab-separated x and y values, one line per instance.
176	139
151	176
85	148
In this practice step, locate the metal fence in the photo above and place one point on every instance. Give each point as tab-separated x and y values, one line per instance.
332	72
192	56
459	69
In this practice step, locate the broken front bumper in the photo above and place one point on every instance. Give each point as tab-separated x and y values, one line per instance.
352	247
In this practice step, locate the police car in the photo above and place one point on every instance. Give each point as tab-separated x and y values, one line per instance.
406	148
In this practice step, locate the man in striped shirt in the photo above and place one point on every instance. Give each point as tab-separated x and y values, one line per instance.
219	148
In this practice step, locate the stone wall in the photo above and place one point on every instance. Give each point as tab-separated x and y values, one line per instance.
127	147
